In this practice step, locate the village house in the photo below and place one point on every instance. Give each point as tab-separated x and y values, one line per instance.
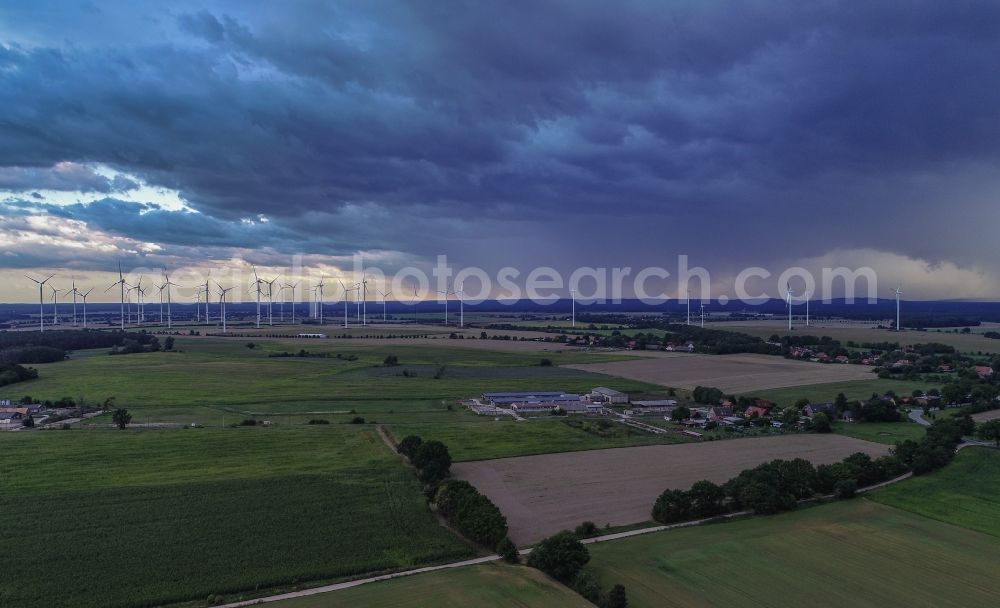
814	408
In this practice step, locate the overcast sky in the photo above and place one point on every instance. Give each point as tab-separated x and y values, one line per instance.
191	134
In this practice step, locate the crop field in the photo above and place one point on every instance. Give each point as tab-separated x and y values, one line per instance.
226	373
972	342
986	416
140	518
881	432
480	438
965	493
852	389
541	495
733	374
493	584
852	553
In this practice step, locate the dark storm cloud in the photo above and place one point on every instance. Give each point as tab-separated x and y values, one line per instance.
705	125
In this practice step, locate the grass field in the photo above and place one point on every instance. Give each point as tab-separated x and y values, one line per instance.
139	518
965	493
482	438
230	374
493	584
854	553
852	389
881	432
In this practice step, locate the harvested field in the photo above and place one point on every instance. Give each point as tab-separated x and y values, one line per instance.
730	373
986	416
543	494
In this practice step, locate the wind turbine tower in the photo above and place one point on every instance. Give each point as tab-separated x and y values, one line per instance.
83	296
74	292
788	289
222	304
41	301
572	295
898	292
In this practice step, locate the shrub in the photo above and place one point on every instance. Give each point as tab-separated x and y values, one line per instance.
587	586
248	422
545	363
507	551
561	556
846	488
617	598
357	420
586	529
319	421
390	361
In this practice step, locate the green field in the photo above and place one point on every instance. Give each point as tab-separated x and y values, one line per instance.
484	439
965	493
493	584
138	518
881	432
224	372
852	389
853	553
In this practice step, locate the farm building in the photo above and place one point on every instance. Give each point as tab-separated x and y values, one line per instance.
538	407
603	394
24	410
10	417
503	399
654	405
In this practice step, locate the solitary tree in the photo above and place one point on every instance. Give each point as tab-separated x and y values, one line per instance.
121	417
990	431
28	422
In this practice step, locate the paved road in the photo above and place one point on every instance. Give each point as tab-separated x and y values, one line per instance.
918	417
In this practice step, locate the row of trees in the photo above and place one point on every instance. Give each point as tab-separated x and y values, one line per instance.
473	515
774	486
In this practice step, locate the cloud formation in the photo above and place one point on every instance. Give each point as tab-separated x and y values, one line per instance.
566	133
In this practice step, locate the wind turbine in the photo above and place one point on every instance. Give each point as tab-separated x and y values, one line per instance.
270	300
197	304
257	282
703	316
344	287
788	289
292	287
140	314
160	289
170	318
807	309
41	301
74	292
898	292
572	295
207	298
319	291
445	294
689	306
461	307
357	299
120	282
222	304
84	297
364	300
55	304
384	296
